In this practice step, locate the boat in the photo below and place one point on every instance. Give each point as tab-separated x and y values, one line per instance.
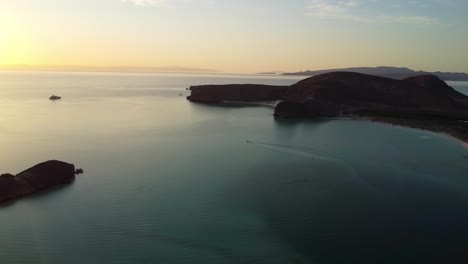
55	97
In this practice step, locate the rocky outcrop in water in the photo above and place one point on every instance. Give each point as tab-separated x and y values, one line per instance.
357	93
236	93
37	178
340	94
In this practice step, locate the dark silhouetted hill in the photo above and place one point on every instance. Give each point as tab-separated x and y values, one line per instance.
423	101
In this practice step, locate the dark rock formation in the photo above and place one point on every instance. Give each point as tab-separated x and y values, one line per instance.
332	93
11	188
360	89
39	177
353	92
339	94
308	108
236	92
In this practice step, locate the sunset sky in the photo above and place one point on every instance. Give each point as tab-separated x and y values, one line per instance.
236	35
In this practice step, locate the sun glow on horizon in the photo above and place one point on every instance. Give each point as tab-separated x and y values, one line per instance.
234	36
14	43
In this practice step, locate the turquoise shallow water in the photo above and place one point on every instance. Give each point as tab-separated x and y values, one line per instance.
167	181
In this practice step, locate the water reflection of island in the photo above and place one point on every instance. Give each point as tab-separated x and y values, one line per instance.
424	102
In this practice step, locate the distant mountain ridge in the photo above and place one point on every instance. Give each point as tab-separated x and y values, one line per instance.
388	72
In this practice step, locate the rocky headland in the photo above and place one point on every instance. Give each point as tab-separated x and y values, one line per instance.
236	93
40	177
423	101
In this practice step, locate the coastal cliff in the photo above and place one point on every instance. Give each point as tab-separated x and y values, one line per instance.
236	93
425	99
42	176
423	95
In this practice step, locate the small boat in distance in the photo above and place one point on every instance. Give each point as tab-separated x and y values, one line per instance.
55	97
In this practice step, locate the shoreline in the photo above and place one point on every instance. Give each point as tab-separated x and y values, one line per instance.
453	130
457	136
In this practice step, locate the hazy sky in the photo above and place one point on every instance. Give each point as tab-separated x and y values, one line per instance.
236	35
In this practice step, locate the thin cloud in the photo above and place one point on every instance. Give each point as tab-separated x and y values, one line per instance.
415	20
353	11
333	9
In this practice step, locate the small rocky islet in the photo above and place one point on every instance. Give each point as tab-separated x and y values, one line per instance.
40	177
424	102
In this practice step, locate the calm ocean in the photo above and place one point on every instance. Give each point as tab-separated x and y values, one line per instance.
167	181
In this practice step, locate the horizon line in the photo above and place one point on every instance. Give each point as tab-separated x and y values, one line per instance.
141	69
174	69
